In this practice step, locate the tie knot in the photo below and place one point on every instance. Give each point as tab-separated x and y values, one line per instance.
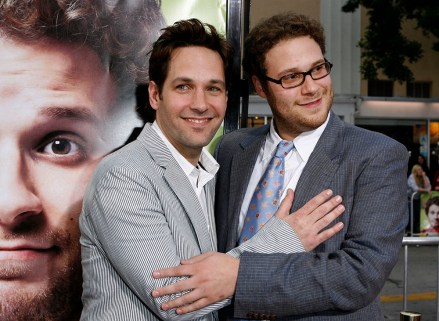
283	148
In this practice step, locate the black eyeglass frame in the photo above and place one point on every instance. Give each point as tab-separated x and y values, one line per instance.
304	73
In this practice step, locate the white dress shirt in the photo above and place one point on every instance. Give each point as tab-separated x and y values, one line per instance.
198	175
295	161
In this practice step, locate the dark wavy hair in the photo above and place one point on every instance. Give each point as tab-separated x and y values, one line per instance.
431	201
270	32
186	33
120	32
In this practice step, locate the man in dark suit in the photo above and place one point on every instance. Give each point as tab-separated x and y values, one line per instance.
341	278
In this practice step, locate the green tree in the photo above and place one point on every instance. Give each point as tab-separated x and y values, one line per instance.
384	46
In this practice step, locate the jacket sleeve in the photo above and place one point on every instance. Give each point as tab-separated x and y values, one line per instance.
275	237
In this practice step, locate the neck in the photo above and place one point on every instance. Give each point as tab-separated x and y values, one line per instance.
193	158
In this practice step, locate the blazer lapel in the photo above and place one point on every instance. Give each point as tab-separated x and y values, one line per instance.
180	185
322	164
241	170
210	196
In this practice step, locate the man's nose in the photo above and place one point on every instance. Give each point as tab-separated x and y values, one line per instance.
309	85
18	197
199	102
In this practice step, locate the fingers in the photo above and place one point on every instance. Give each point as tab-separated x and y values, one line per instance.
311	222
179	270
180	302
185	269
315	202
285	205
199	304
330	217
330	232
328	211
177	287
211	280
189	302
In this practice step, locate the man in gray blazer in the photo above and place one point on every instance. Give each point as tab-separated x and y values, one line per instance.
340	279
150	204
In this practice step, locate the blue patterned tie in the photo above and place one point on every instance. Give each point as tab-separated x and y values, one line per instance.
266	198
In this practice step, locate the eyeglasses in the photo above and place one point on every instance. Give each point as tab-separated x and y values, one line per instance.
298	78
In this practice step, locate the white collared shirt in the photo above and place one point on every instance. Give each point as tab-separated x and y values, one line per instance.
295	161
198	175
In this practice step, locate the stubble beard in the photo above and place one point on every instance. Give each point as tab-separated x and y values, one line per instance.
295	123
59	301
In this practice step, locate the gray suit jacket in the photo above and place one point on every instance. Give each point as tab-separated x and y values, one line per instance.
140	214
342	278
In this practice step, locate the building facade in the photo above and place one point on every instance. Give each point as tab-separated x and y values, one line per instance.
408	112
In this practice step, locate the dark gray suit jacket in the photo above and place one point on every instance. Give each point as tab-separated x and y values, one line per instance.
342	278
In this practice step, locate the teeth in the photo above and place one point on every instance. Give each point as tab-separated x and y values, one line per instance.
198	121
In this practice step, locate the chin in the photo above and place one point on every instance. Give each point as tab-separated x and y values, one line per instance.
57	301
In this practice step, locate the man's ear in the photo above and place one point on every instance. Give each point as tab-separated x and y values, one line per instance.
258	86
154	95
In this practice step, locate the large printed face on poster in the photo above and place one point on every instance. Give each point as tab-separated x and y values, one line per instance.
67	83
68	73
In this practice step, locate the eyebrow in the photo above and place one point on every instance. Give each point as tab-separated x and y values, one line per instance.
76	113
211	81
297	70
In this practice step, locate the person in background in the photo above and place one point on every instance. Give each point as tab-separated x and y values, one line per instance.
68	70
417	183
418	180
423	163
340	279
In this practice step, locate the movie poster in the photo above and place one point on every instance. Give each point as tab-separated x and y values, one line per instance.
429	214
210	11
68	77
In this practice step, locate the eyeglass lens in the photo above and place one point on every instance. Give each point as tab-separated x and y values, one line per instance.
316	73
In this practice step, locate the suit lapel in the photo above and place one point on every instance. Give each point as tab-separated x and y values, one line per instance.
241	170
322	164
180	185
210	196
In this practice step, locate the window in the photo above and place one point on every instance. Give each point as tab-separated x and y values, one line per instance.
419	89
380	88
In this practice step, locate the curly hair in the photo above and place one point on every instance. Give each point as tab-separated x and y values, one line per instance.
269	32
430	202
120	32
186	33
